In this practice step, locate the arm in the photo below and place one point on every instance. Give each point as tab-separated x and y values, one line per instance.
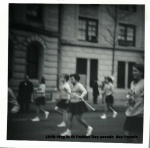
112	89
12	101
84	92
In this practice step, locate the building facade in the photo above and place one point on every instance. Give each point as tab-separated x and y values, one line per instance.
92	40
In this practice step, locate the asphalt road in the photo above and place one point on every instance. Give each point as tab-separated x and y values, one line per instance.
108	130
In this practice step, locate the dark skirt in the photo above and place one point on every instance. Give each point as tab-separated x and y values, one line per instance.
109	99
62	104
134	124
40	101
78	108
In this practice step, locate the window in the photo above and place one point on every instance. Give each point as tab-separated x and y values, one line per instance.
93	70
34	12
88	69
130	78
130	8
34	60
124	74
81	66
126	35
121	75
88	29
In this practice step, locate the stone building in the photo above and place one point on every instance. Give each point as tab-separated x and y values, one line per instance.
92	40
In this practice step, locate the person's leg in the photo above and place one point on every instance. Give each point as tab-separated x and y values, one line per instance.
44	111
64	119
69	126
27	107
94	99
85	124
112	110
65	116
104	116
37	114
128	133
81	120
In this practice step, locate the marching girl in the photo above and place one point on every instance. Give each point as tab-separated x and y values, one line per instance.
133	125
63	104
109	100
40	100
77	107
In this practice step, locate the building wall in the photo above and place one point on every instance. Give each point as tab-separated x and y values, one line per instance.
72	48
23	36
70	14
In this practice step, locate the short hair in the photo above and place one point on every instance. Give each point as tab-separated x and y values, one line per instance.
109	79
43	80
65	76
76	76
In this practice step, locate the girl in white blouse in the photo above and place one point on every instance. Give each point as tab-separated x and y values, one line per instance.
133	125
40	100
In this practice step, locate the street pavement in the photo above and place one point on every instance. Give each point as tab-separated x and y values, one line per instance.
108	130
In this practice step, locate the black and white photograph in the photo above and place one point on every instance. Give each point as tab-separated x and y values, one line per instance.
76	73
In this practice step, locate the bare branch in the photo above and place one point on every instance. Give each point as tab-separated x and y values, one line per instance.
111	43
110	32
126	15
110	13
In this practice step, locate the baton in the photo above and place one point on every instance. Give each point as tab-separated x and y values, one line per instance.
93	109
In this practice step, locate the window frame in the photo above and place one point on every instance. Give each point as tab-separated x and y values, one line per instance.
37	19
126	26
87	26
34	72
126	8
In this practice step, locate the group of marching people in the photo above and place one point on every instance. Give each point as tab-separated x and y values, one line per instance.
72	101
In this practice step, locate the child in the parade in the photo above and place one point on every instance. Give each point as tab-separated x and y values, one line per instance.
109	99
40	100
63	103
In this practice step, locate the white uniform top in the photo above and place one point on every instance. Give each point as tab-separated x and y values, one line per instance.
78	91
108	89
65	91
137	92
41	90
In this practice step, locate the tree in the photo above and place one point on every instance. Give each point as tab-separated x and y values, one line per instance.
113	13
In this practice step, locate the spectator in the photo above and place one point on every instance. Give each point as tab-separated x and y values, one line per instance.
95	90
25	94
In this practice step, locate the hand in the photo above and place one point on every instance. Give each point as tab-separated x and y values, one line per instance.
55	89
14	110
131	102
32	100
